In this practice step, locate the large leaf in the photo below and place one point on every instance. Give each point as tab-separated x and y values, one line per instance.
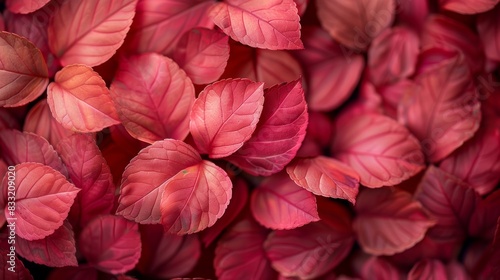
488	28
225	115
203	54
355	23
279	134
55	250
145	177
379	149
23	71
468	6
76	37
243	241
80	100
159	24
272	24
25	6
153	97
111	244
43	200
326	177
443	111
389	221
195	198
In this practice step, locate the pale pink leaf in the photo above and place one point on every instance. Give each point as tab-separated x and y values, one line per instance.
195	198
145	177
243	241
484	219
435	269
279	133
111	244
442	111
225	115
326	177
355	23
203	54
488	28
278	203
332	72
23	71
468	6
166	255
76	37
272	24
379	149
43	200
159	24
153	97
55	250
80	100
389	221
25	6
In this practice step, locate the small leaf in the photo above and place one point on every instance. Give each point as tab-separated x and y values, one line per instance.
80	100
225	115
468	6
25	6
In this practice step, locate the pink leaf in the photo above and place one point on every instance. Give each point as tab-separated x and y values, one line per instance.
332	72
43	200
144	179
159	24
166	255
355	23
312	250
76	37
326	177
468	6
80	100
23	72
153	97
279	134
484	219
371	267
195	198
278	203
203	54
225	115
443	111
111	244
243	242
55	250
449	200
389	221
380	150
25	6
89	172
488	28
435	269
272	24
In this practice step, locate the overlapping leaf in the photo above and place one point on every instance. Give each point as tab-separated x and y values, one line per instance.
488	28
25	6
483	221
468	6
435	269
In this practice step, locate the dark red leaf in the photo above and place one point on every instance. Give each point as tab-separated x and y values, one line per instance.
8	257
82	272
488	28
484	219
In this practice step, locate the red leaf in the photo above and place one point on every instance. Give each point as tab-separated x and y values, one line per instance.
326	177
76	37
23	72
195	198
484	219
449	200
153	97
371	267
488	28
355	23
435	269
389	221
111	244
25	6
301	6
273	24
167	255
312	250
243	242
2	23
225	115
55	250
332	72
43	199
279	134
80	100
443	111
9	259
468	6
89	172
203	54
380	150
82	272
278	203
159	24
144	179
412	13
